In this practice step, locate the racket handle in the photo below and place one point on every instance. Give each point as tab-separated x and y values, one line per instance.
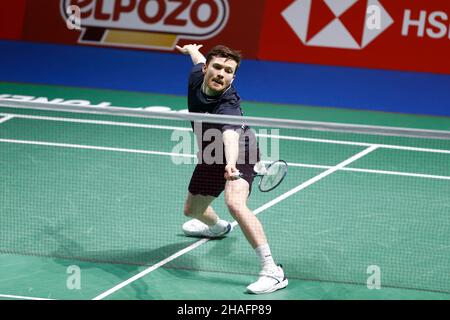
237	174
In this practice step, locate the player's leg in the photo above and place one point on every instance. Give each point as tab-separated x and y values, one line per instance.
205	222
206	184
272	276
236	194
198	207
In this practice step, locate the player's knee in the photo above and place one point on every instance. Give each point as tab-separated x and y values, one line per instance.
235	207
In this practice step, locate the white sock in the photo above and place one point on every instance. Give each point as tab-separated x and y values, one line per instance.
265	257
220	226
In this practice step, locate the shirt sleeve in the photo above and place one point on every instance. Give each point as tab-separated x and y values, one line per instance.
196	75
231	107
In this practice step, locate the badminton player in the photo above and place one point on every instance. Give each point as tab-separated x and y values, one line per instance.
211	91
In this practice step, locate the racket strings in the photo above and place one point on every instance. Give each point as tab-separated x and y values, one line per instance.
273	176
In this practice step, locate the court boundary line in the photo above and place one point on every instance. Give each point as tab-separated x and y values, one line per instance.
387	172
6	117
100	122
192	156
256	211
22	297
292	138
98	148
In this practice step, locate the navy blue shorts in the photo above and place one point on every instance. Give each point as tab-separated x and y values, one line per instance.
209	180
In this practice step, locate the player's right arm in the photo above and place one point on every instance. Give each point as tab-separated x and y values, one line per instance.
194	51
231	145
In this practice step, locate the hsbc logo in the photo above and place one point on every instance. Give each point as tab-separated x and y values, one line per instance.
341	24
156	24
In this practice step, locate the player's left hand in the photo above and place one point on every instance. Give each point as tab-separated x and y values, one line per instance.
189	48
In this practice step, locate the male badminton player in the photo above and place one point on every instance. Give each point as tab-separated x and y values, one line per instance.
211	91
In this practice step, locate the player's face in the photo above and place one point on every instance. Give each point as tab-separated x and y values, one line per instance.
219	73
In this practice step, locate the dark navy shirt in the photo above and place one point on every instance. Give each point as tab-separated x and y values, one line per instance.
227	103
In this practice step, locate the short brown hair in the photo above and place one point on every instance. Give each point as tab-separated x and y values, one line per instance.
224	52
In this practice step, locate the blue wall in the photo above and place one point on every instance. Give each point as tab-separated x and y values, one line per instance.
83	66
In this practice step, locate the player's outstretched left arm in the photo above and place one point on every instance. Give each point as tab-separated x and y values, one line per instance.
194	51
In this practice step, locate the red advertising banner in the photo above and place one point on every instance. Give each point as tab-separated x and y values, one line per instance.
11	19
146	24
386	34
412	35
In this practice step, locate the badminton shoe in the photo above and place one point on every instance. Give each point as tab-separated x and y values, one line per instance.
196	228
269	281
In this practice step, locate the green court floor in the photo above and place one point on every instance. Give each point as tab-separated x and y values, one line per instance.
104	195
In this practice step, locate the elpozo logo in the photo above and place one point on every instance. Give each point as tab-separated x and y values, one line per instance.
153	24
331	23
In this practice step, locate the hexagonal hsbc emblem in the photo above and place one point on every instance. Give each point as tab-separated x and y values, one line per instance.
337	23
156	24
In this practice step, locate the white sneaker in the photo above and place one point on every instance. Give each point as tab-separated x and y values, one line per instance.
269	281
196	228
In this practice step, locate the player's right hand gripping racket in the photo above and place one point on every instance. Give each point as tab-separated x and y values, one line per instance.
271	176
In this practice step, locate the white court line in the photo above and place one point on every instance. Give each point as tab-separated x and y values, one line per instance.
360	144
292	138
150	269
21	297
395	173
171	154
257	211
316	178
87	121
6	118
78	146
